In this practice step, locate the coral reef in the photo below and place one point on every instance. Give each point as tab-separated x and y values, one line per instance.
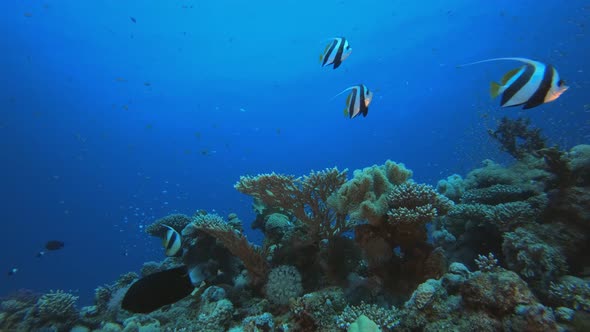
376	252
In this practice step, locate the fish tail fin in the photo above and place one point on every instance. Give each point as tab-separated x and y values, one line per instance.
525	60
495	89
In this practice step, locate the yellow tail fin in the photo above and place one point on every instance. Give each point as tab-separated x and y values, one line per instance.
495	89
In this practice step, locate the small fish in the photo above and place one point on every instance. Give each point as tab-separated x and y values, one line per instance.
335	52
12	271
27	14
132	19
358	100
172	242
157	290
54	245
40	254
531	85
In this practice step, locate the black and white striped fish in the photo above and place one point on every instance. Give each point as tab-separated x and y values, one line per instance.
358	100
531	85
336	51
172	242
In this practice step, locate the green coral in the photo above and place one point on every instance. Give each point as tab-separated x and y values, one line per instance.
385	318
452	187
365	196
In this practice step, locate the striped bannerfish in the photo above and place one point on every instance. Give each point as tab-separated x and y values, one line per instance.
172	242
531	85
336	51
358	100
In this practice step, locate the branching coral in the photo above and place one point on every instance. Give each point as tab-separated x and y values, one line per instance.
317	311
57	306
487	263
304	198
176	221
496	194
517	138
253	257
571	292
412	203
386	318
504	216
531	257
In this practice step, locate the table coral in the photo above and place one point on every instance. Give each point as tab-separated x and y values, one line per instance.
411	203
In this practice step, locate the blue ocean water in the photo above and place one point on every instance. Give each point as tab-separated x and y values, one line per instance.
116	113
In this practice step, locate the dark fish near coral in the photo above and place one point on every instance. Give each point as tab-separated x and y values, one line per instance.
336	51
358	100
157	290
531	85
172	242
54	245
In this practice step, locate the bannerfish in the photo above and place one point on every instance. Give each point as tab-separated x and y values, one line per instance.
336	51
531	85
172	242
54	245
157	290
358	100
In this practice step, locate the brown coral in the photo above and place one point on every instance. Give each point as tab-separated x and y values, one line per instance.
253	257
305	198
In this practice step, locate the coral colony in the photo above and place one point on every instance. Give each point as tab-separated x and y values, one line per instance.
504	248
